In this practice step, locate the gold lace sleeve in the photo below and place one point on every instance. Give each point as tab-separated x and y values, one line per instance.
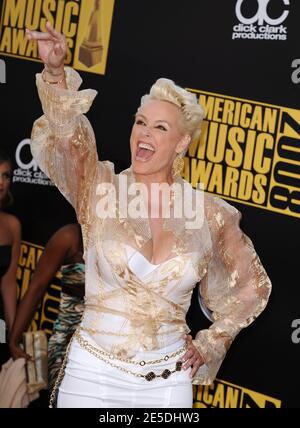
236	287
63	141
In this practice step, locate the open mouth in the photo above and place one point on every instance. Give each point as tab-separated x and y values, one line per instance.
144	152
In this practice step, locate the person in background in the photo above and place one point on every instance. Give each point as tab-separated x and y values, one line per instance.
63	251
10	238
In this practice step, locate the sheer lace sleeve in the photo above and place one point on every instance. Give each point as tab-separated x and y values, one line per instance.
63	141
236	287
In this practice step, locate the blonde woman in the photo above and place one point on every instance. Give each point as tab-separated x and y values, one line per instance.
132	348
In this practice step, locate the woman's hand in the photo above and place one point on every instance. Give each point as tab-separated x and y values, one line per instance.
17	352
192	357
52	48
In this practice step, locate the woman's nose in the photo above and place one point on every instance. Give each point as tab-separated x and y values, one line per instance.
147	132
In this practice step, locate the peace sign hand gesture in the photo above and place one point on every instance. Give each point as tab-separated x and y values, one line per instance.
52	48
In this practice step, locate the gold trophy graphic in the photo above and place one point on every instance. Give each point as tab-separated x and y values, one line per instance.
91	49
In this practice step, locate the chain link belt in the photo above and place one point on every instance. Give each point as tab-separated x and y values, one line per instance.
106	357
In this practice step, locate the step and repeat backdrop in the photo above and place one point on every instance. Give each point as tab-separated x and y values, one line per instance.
242	60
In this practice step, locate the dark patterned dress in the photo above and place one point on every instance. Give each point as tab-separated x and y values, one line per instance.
69	316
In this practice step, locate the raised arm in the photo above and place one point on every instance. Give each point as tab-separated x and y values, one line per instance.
9	280
56	251
236	287
52	50
63	141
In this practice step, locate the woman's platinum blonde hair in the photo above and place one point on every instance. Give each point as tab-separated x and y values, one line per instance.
192	111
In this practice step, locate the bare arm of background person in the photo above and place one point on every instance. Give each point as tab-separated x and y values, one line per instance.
8	281
59	249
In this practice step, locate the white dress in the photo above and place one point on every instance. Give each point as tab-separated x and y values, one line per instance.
90	382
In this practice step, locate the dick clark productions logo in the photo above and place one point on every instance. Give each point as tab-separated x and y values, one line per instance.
263	24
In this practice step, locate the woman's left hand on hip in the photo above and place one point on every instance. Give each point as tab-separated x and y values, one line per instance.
192	357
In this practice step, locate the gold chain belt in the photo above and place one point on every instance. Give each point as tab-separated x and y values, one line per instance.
98	353
85	344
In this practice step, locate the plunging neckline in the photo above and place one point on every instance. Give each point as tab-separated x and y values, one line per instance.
140	265
145	258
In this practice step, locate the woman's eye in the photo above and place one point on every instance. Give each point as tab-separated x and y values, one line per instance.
140	122
163	128
7	176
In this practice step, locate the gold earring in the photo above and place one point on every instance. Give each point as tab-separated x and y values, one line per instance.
178	165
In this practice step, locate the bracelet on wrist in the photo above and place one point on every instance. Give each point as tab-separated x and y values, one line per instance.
55	82
49	71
